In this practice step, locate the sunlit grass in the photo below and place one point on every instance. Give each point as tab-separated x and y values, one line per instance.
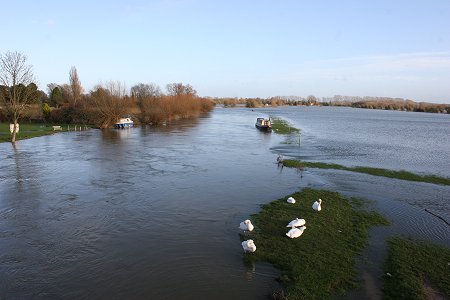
404	175
26	131
413	264
321	262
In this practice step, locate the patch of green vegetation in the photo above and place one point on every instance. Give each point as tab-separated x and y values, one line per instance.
26	131
321	262
404	175
283	127
412	264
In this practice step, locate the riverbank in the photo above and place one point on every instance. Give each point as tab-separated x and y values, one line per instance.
27	131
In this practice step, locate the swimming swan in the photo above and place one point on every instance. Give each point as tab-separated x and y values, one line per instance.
249	246
296	223
246	225
317	206
290	200
295	232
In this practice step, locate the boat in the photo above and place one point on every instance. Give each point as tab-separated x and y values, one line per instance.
124	123
263	124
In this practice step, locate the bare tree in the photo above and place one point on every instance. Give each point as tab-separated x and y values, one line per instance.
16	92
141	91
109	103
75	85
178	89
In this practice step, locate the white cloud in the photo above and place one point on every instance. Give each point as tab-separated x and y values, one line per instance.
399	66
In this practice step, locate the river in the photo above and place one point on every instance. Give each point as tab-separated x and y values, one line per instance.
153	213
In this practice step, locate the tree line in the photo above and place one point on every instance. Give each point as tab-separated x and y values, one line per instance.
384	103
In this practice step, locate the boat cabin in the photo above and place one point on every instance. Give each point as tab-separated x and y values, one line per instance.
263	124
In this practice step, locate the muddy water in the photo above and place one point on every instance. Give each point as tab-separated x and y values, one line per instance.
152	213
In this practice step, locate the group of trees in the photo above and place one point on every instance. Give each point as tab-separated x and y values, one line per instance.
102	106
106	103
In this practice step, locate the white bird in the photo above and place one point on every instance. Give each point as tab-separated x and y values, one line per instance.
290	200
246	225
317	206
249	246
296	223
295	232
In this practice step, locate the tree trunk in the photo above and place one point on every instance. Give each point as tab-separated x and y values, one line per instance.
13	134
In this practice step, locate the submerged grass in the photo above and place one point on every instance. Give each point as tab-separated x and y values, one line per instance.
26	131
283	127
321	262
404	175
413	265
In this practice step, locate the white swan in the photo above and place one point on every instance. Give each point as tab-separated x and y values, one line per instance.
295	232
296	223
290	200
317	206
249	246
246	225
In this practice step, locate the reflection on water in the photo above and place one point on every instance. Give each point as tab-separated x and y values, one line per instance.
153	212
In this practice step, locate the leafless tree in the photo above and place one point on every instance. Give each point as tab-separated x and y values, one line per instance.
109	103
15	90
75	85
142	91
178	89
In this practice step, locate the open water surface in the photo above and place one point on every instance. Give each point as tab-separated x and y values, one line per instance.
152	213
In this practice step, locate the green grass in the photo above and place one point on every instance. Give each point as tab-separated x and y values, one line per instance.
411	264
321	262
26	131
283	127
404	175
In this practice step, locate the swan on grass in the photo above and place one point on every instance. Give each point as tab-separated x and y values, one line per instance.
246	225
317	206
295	232
296	223
290	200
249	246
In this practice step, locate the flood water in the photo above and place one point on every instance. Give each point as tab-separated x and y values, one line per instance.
152	213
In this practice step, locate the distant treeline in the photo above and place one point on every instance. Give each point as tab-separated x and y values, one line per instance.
385	103
105	104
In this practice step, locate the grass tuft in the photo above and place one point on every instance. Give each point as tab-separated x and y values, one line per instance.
321	262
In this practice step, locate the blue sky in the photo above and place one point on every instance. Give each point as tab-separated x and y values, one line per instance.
240	48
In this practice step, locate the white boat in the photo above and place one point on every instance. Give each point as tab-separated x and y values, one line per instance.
124	123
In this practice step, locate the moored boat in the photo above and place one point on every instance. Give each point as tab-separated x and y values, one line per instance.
124	123
263	124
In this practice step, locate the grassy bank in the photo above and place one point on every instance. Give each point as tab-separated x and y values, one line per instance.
321	262
26	131
404	175
283	127
418	270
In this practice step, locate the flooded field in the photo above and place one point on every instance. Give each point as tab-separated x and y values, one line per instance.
152	213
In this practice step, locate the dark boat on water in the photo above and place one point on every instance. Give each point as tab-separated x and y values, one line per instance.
263	124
